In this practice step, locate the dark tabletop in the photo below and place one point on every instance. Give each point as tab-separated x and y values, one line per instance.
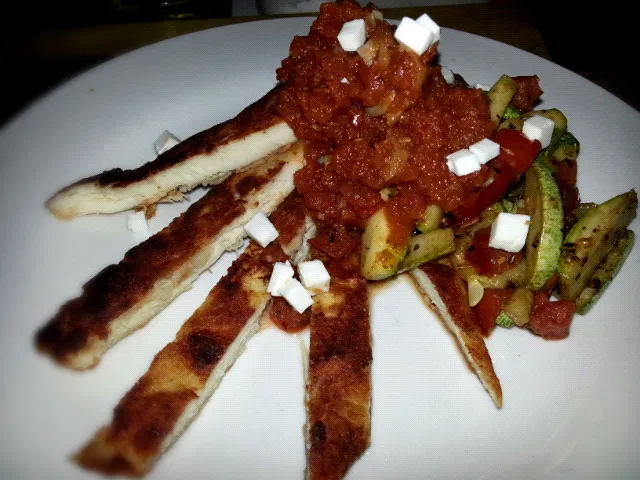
41	54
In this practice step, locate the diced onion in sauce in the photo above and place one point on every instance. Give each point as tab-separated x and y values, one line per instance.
381	108
368	51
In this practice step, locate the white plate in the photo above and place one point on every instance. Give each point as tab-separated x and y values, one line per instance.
571	407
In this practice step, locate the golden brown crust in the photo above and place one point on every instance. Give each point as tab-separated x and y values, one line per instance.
458	316
119	287
146	418
257	116
339	387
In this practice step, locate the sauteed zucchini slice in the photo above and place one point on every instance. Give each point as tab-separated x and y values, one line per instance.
428	246
431	219
500	95
606	271
518	309
544	204
590	240
559	129
511	112
380	258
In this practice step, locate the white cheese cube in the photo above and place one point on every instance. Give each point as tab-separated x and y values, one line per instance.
485	150
314	276
137	222
482	86
165	141
352	35
413	35
261	229
281	274
296	295
539	128
426	21
344	80
447	74
509	232
463	162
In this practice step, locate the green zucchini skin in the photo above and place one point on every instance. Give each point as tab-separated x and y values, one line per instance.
512	123
565	154
605	272
590	240
504	320
568	147
500	95
511	112
544	205
518	307
559	129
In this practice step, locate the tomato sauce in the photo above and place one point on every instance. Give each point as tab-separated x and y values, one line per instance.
527	94
381	118
285	317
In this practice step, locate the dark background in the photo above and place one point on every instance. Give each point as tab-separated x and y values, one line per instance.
28	77
68	13
596	40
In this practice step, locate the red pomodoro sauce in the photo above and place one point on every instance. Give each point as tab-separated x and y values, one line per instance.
285	317
383	117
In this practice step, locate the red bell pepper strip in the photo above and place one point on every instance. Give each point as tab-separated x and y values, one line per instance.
489	307
487	260
516	149
517	153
